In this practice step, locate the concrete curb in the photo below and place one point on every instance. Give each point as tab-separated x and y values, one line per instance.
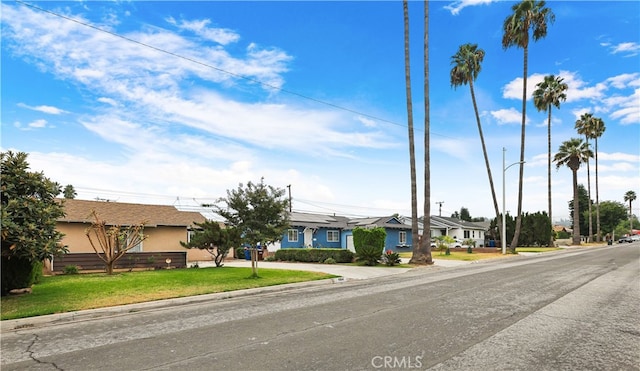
90	314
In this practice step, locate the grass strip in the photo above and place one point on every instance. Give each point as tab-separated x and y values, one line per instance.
66	293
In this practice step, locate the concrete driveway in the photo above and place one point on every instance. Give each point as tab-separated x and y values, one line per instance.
346	271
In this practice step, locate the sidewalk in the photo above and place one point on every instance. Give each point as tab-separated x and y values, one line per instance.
346	271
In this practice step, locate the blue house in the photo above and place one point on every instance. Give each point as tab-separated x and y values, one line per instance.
314	230
331	231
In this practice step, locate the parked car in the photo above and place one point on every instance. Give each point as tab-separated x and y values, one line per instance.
629	239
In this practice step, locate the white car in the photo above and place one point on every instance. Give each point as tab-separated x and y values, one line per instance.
454	244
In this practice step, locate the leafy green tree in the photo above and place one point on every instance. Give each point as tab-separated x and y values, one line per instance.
572	153
69	192
536	229
550	92
260	214
369	244
214	239
29	215
611	214
630	196
510	225
467	63
527	15
583	203
624	227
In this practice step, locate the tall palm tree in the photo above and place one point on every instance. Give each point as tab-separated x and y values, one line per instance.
630	196
527	14
466	67
550	92
425	244
416	256
572	153
596	132
584	126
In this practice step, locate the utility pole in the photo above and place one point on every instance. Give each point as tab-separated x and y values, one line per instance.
440	207
289	186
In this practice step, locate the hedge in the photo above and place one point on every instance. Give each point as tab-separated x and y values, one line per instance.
314	255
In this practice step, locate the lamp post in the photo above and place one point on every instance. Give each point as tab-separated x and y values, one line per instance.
504	221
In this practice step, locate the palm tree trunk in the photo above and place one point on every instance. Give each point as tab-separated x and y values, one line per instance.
589	196
549	175
417	254
484	152
576	209
597	200
516	234
426	242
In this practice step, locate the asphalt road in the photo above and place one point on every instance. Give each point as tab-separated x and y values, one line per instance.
573	310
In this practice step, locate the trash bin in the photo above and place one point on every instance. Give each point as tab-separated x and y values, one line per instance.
609	242
247	254
260	254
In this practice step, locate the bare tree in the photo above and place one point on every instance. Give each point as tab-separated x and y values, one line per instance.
111	242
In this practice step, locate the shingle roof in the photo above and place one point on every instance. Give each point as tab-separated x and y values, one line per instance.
120	213
317	220
455	222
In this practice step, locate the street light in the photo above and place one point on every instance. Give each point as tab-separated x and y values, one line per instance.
504	221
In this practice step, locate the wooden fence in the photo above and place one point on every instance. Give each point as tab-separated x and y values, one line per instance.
131	260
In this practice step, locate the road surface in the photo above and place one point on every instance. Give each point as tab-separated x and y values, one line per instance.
572	310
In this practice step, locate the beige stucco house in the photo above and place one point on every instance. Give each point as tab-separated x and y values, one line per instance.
164	225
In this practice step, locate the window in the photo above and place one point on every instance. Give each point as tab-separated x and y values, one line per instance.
466	234
136	248
402	238
333	236
292	235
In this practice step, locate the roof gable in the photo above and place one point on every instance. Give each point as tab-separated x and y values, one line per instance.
120	213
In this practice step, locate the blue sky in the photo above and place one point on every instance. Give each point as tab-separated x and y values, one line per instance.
176	102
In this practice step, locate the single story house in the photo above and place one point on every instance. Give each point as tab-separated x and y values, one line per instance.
164	225
307	230
453	227
458	229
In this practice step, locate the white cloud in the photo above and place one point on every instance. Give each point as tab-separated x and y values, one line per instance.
507	116
619	156
36	124
200	27
108	101
366	121
629	49
456	6
46	109
624	80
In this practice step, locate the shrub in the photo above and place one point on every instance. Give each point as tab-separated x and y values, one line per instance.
314	255
330	261
239	252
18	272
369	255
391	258
369	244
71	269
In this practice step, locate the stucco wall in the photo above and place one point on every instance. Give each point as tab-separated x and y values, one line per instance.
159	239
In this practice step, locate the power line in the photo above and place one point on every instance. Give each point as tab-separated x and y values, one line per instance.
271	86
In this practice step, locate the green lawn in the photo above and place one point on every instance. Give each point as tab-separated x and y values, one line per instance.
457	255
65	293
